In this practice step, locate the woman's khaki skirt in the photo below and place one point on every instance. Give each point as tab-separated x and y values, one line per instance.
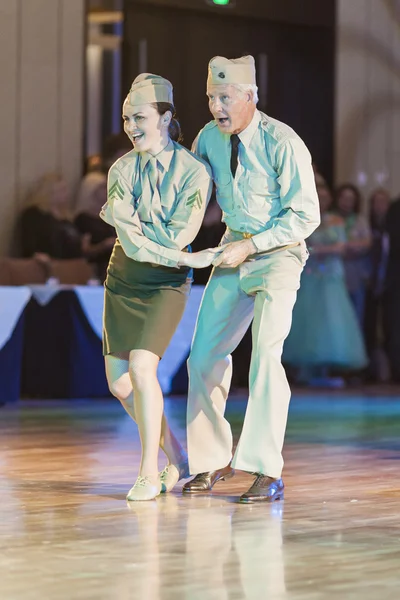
143	304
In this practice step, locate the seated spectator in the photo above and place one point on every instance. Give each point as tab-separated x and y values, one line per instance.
99	237
325	333
348	205
45	227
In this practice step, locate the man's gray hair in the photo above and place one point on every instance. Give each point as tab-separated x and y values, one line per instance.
248	88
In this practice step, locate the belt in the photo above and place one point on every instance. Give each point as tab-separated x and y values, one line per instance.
246	235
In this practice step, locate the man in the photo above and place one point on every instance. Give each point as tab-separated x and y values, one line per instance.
391	296
266	190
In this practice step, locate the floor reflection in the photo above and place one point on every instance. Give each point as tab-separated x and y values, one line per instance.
220	549
67	532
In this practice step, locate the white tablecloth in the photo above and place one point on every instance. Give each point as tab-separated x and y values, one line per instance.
91	299
12	304
179	347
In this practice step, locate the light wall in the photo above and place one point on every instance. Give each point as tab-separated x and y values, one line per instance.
367	131
42	55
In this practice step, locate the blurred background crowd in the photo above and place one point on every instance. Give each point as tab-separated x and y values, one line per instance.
346	322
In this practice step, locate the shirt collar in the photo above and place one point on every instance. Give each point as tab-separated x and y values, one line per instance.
246	135
164	157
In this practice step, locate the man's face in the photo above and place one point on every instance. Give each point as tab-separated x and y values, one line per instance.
142	124
232	109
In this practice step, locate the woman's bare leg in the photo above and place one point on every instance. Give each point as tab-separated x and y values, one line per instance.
120	384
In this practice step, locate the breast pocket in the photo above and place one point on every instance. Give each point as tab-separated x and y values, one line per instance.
223	184
258	191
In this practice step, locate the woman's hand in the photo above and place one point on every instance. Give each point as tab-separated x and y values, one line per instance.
199	260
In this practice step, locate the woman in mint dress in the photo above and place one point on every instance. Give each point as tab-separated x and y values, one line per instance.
325	331
347	204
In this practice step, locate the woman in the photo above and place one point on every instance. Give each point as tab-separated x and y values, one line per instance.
45	226
157	196
358	235
325	332
99	237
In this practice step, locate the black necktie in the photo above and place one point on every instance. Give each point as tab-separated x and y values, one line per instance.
235	141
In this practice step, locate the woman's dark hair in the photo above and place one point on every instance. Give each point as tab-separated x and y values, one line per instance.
174	129
357	195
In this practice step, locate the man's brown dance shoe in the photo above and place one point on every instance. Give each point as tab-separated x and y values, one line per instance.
264	489
204	482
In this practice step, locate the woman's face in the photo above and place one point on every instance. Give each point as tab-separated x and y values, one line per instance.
60	195
144	126
380	203
325	198
347	201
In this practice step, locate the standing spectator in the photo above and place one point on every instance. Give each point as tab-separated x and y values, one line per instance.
319	178
392	292
348	206
378	257
325	333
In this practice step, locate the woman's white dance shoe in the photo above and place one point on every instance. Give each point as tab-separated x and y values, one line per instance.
145	488
170	476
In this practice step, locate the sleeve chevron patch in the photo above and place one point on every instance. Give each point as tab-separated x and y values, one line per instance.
116	191
195	200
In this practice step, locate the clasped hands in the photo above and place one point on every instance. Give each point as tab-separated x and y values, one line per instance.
227	256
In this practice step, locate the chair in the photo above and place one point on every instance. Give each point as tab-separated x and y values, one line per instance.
5	277
76	271
25	271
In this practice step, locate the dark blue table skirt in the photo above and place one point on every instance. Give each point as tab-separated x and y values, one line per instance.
10	364
62	355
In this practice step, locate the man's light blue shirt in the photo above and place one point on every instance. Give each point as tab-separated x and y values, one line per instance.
273	194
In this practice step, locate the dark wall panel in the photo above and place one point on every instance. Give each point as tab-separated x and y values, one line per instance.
305	12
300	71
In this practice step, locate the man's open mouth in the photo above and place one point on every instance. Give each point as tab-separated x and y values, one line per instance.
222	120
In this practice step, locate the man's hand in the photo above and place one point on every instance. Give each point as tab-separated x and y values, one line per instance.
199	260
42	258
235	253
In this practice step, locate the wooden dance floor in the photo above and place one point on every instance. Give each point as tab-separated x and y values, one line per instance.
67	532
